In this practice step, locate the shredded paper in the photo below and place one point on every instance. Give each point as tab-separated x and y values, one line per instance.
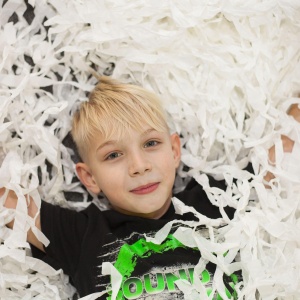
226	71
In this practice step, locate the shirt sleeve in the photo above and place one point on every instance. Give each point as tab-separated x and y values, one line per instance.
65	229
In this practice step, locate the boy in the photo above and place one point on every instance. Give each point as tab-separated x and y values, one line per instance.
128	154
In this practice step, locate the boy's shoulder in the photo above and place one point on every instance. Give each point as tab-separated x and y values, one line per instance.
194	195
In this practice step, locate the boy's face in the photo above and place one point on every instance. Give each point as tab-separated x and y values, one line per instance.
136	172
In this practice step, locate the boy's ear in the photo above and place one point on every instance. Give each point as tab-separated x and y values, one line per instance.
85	175
176	147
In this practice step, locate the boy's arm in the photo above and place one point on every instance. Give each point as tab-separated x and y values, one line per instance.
11	202
294	111
287	143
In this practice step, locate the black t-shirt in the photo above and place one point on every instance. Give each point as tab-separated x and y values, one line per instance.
81	241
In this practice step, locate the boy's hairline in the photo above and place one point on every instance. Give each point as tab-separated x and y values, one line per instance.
112	140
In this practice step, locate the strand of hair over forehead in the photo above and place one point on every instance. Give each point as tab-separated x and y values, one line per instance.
129	106
122	107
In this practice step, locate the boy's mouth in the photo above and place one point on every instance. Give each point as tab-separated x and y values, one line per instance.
145	189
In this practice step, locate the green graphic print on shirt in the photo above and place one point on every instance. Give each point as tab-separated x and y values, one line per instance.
134	287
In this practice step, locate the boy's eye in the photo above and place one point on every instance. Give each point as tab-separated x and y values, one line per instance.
113	155
151	144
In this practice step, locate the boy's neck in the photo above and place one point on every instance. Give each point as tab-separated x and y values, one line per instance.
153	215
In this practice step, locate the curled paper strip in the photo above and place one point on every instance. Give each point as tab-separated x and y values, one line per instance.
226	72
291	162
116	278
190	236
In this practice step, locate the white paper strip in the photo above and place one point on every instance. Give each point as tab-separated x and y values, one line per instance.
226	72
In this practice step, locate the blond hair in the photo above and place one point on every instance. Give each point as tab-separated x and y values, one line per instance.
113	108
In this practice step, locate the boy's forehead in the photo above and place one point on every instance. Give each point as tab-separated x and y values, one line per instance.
109	131
115	136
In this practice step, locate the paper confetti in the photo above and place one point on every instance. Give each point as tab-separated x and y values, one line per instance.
226	71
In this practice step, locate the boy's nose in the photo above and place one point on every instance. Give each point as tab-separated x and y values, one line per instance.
139	165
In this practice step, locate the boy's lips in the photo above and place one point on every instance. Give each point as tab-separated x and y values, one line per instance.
145	189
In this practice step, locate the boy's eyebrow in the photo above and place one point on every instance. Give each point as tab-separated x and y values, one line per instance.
107	143
148	131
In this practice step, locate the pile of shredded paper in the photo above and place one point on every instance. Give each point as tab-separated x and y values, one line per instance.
226	71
